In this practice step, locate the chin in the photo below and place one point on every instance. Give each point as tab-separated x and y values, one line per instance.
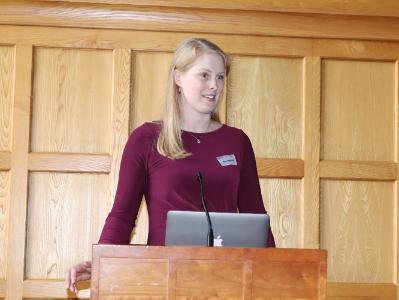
207	111
209	108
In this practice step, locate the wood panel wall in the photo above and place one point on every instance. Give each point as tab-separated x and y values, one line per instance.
315	86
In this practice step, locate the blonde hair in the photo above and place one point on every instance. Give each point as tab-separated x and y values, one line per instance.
169	141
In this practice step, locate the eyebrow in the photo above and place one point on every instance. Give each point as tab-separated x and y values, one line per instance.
210	71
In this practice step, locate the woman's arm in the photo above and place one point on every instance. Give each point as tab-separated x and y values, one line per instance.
131	186
130	190
249	194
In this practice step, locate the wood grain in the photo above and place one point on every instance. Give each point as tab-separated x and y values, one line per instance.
347	131
155	18
63	210
355	290
310	209
60	162
7	62
222	106
355	49
2	288
49	289
71	94
120	111
358	170
121	106
193	275
357	229
368	7
149	70
265	100
150	41
303	279
144	278
396	195
85	79
206	273
140	231
279	168
53	289
282	199
16	237
5	160
360	298
335	291
4	213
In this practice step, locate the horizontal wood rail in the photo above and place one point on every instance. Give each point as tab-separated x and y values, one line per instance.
335	291
267	167
280	168
358	170
64	162
53	289
200	20
137	40
368	8
96	163
328	169
360	290
166	42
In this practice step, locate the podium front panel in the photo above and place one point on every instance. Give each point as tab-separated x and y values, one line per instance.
182	273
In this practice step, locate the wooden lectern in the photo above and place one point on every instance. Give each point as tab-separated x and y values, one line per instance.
150	272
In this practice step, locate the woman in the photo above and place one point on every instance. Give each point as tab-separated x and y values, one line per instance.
161	159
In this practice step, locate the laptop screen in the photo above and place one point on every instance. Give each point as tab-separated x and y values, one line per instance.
188	228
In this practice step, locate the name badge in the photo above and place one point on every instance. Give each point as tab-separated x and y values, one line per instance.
227	160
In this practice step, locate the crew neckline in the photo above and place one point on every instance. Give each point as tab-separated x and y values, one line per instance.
203	133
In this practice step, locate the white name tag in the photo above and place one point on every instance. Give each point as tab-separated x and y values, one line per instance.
227	160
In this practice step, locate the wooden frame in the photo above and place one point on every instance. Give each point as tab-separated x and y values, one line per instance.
310	30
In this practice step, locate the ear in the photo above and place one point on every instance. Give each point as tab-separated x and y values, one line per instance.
177	77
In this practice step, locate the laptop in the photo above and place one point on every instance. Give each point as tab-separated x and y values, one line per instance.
189	228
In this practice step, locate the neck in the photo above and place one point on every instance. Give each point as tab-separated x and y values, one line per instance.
199	125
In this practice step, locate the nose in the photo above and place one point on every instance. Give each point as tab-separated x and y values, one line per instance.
213	84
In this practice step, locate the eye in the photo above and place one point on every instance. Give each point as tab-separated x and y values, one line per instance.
220	77
204	75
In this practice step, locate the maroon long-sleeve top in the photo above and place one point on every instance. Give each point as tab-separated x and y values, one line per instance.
225	158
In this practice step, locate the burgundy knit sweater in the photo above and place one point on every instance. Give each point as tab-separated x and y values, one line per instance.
224	157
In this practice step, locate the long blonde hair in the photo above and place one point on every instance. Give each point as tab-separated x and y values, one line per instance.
169	141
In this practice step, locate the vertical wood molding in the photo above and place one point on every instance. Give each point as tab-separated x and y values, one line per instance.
5	160
248	282
172	279
396	205
311	154
19	172
120	111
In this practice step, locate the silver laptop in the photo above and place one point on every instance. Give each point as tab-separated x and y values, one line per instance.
188	228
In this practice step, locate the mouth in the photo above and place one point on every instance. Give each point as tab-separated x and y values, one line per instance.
210	97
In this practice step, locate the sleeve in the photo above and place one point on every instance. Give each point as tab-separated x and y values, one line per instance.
130	190
249	194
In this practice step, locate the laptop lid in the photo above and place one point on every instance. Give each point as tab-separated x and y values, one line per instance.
189	228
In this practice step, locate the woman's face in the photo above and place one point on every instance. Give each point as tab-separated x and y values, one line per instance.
202	84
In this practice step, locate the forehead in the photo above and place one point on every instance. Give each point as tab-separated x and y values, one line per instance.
210	61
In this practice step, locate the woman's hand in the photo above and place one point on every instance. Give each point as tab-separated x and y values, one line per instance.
79	272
